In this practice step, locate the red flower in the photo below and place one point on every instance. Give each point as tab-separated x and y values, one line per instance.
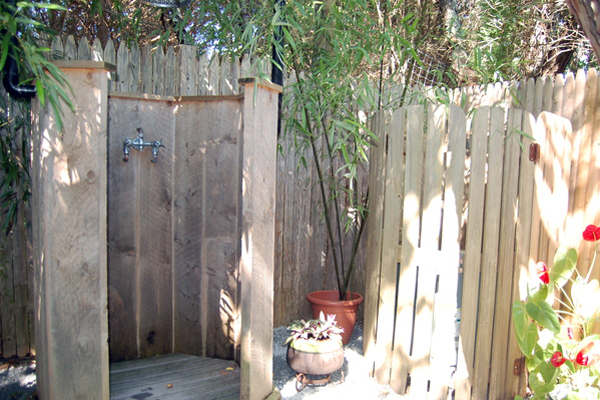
585	358
591	233
557	359
542	272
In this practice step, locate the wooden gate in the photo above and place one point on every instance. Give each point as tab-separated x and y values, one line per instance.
433	323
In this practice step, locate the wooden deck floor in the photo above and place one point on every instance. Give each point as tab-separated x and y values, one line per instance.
175	377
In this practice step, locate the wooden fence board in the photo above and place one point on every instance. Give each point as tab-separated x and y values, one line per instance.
72	257
410	244
172	78
84	52
578	161
429	244
97	51
9	335
122	84
158	71
443	344
371	344
391	239
188	204
146	69
465	375
110	57
503	290
220	226
123	234
134	69
592	201
188	63
157	119
515	382
489	262
70	48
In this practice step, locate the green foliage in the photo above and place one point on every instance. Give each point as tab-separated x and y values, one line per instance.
561	359
18	35
327	49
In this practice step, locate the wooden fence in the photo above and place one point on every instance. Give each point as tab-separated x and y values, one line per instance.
301	244
444	184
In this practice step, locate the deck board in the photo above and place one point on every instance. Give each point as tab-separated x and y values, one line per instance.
175	377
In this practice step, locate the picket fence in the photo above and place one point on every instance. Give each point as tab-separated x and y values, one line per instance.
445	184
301	245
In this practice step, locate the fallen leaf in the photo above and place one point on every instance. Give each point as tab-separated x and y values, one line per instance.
229	368
169	386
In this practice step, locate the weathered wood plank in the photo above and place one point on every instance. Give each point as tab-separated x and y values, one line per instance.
147	84
153	220
71	232
7	293
220	306
172	77
97	53
517	384
110	57
592	201
84	52
214	76
188	205
394	129
176	377
122	82
489	262
503	290
575	223
402	364
123	237
134	69
257	241
158	71
443	344
465	374
429	245
188	65
70	48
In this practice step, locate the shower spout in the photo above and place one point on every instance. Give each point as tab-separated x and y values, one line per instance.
139	144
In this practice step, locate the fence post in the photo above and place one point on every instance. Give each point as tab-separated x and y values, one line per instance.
69	219
258	237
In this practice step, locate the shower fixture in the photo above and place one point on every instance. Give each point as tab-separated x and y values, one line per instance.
139	144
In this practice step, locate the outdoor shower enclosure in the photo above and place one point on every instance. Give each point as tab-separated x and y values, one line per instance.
140	258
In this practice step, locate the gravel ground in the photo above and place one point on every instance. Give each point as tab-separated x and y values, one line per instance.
17	377
357	383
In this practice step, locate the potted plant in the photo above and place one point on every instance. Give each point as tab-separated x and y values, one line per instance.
562	351
315	346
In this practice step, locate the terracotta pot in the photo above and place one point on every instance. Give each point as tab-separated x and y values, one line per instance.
316	363
345	311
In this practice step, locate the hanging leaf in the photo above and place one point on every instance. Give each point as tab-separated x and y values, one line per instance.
565	261
544	315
